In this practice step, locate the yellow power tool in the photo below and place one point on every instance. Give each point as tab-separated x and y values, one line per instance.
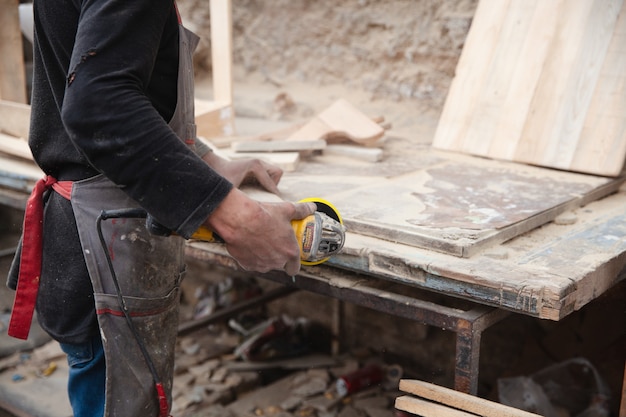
320	235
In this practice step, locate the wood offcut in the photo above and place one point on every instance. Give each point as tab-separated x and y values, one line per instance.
429	400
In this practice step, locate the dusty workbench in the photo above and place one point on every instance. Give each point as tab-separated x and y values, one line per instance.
503	237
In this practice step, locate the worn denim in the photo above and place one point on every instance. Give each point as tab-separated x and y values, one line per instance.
87	377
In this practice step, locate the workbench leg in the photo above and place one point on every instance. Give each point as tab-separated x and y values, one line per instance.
337	326
467	358
468	334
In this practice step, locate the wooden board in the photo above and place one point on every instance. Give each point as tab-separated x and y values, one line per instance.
15	146
423	408
541	82
14	118
278	146
459	206
221	50
214	119
18	174
12	72
454	399
287	161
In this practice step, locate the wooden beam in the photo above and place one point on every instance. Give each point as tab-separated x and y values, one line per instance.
12	72
278	146
287	161
14	118
457	400
221	50
214	119
356	152
427	409
15	147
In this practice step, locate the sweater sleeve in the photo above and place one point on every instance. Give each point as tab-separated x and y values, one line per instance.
113	123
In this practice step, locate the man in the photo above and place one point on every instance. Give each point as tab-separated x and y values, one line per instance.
112	127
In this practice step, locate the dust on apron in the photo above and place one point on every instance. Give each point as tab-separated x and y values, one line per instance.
148	269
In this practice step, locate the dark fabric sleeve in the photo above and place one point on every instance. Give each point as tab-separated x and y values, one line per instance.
14	269
111	120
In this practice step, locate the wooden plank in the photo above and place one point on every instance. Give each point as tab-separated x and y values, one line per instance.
12	72
509	95
471	72
603	137
563	92
287	161
12	198
278	146
460	400
14	118
214	119
541	82
17	174
427	409
357	152
15	146
221	50
507	53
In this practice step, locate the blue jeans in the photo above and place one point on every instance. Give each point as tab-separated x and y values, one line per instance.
87	376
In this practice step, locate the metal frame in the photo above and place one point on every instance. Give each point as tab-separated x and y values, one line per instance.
382	295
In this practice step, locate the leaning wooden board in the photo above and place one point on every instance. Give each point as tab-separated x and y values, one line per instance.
541	82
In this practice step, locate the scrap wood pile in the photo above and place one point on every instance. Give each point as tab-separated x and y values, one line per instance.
220	372
257	364
211	383
340	129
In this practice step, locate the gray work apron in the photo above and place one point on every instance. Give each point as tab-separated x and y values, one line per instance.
149	270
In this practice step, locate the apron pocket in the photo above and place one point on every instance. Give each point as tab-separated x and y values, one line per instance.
130	383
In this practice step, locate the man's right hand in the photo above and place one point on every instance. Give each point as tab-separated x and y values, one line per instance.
259	235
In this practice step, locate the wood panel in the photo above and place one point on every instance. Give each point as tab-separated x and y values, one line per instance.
12	72
541	82
15	147
18	174
14	118
221	50
460	205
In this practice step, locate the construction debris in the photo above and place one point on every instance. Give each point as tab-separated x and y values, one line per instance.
306	384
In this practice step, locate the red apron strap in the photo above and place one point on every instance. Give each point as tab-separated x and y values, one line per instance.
30	262
64	188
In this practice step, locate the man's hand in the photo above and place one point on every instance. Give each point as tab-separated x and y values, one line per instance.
259	235
245	171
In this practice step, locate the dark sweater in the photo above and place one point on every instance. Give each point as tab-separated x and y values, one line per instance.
104	88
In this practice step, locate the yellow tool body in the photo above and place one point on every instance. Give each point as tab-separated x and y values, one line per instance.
320	235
